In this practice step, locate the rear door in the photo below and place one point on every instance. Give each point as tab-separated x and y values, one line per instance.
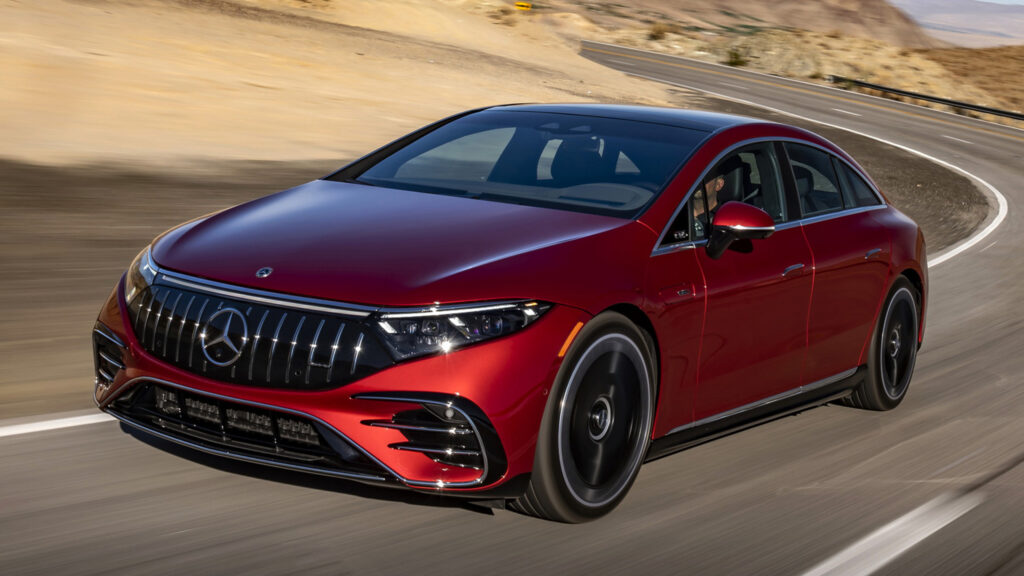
851	259
758	292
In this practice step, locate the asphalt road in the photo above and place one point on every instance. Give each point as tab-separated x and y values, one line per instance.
782	498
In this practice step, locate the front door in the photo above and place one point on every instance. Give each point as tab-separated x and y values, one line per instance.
757	293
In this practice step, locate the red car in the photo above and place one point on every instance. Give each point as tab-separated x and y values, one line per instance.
523	303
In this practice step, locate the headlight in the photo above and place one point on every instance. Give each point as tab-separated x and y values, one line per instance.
141	275
412	333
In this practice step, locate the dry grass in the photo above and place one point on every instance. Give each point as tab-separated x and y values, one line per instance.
998	71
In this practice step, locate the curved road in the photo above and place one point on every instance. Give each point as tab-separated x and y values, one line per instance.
935	487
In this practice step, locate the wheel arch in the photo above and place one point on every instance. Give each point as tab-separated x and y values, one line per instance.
637	316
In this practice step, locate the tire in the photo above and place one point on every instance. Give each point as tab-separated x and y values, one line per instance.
597	424
893	351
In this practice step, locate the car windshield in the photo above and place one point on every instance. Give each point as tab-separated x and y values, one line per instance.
571	162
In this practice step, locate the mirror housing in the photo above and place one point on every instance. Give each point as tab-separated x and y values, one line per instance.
736	221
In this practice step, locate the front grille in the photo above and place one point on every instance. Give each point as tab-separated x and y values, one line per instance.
254	344
242	430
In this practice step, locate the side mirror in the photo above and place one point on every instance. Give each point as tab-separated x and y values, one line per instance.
736	221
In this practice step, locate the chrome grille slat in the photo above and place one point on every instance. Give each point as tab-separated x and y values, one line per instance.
291	351
111	360
161	316
256	341
170	321
184	320
273	346
334	351
452	430
195	332
312	348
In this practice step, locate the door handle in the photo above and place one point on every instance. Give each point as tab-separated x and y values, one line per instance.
872	252
792	268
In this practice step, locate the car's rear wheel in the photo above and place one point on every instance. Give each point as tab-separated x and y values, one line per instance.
597	425
893	352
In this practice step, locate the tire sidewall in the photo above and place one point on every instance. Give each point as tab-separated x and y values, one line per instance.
878	396
547	472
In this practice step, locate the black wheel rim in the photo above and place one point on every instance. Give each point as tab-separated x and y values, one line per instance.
898	346
604	420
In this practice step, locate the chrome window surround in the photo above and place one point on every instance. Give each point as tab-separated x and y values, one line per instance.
765	401
286	465
690	244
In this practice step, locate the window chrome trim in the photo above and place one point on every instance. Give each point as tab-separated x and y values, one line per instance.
668	248
265	297
766	401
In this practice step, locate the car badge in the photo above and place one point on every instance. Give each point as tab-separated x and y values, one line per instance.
220	346
264	272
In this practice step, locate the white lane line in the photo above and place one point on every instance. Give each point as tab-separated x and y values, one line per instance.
989	246
956	139
846	112
1002	208
883	545
623	62
736	86
57	424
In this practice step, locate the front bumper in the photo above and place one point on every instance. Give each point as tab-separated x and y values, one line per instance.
461	422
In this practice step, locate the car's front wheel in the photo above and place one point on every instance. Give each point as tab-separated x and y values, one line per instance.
597	425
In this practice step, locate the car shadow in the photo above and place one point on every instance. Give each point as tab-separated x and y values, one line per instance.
313	481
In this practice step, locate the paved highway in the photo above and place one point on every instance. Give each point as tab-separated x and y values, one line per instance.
935	487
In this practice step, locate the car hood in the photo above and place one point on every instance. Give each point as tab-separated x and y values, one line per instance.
381	246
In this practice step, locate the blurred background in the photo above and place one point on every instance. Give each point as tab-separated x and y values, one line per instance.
122	118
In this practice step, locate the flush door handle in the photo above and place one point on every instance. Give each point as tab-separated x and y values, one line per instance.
793	268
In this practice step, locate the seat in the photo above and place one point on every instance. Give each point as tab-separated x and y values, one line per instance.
805	188
577	161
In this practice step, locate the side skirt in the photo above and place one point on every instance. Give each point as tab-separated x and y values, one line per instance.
798	400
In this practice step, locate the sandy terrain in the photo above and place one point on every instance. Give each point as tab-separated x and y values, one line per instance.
151	80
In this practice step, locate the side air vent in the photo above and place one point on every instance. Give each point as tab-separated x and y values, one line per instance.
108	356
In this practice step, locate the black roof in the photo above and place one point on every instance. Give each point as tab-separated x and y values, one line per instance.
692	119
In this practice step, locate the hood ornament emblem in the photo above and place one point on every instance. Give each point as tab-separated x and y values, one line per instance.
264	272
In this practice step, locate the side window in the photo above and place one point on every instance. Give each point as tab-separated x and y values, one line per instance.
750	174
856	192
471	157
816	183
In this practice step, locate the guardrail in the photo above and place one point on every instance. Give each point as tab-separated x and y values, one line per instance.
954	103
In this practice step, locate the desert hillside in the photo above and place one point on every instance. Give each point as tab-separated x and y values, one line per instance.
166	80
970	23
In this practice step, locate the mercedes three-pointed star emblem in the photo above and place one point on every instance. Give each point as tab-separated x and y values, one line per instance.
220	346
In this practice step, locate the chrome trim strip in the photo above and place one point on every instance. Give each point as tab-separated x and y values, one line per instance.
764	402
355	355
111	337
128	385
156	325
170	322
413	312
106	375
334	352
109	360
195	331
181	329
479	438
445	451
453	430
263	297
312	349
291	351
659	249
256	342
273	345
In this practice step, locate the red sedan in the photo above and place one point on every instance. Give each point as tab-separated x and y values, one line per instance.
523	302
